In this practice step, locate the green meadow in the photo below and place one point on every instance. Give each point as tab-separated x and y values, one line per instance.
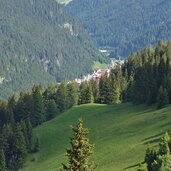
120	134
63	1
98	65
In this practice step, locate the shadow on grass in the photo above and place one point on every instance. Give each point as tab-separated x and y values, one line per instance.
156	140
154	136
132	166
153	139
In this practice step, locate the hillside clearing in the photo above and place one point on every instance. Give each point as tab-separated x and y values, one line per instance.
120	134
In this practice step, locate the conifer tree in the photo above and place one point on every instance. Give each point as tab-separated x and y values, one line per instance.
82	93
80	152
116	96
52	109
2	161
160	160
109	97
61	96
24	131
89	94
95	90
39	108
6	142
19	148
49	93
27	132
72	94
162	98
150	157
11	109
164	145
105	87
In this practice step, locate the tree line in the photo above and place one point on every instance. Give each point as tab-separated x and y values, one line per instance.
118	29
145	77
19	115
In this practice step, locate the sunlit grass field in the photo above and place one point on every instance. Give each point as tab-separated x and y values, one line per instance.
63	1
120	133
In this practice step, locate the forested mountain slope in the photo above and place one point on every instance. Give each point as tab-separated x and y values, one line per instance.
40	43
124	26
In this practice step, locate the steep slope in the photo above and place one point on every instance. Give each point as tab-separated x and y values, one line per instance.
40	43
124	26
120	133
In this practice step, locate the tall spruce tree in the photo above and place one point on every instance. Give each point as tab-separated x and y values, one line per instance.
29	135
24	131
39	108
82	93
150	157
52	110
7	142
162	98
89	94
61	96
72	94
95	90
20	147
2	161
17	149
80	152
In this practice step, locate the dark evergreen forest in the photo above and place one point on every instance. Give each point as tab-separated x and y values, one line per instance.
124	26
41	43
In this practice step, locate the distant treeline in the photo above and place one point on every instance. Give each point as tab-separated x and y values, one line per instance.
124	26
144	78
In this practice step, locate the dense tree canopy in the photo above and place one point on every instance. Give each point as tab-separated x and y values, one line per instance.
39	44
124	26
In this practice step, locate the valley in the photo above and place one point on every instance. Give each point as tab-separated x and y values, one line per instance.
85	85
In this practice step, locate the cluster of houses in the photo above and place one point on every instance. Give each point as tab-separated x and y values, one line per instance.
98	73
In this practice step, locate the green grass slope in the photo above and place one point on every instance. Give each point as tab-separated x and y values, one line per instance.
120	133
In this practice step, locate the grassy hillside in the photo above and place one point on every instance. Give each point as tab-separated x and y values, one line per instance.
120	134
124	26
